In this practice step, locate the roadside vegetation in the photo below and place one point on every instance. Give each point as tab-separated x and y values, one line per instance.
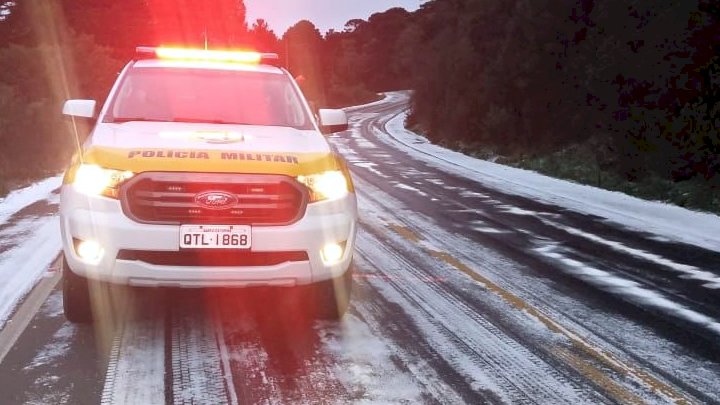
624	95
41	65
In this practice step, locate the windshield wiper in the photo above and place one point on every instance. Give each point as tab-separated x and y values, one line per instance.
176	119
119	120
204	121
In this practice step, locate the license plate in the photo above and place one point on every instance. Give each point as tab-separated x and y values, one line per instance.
215	237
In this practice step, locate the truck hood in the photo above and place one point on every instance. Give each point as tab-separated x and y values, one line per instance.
167	146
162	135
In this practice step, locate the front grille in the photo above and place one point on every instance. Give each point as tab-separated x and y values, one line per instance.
210	258
171	198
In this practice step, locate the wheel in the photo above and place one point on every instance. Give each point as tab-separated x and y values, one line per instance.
332	297
76	296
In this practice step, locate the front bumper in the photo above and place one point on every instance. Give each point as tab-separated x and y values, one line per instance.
102	220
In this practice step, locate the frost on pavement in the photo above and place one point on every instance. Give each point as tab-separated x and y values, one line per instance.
365	365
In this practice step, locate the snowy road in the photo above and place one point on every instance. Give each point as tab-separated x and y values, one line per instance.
472	285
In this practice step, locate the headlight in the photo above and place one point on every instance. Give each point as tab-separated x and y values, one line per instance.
330	185
94	180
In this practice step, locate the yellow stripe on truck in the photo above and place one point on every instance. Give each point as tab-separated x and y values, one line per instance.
212	161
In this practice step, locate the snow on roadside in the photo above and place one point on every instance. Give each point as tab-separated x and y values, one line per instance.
19	199
136	370
709	279
629	289
22	266
665	220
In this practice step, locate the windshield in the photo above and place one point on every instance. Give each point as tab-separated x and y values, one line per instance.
204	95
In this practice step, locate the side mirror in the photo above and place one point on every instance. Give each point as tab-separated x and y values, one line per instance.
332	121
79	108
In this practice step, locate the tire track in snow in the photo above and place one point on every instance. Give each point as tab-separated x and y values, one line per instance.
663	380
195	369
278	355
136	371
197	361
631	374
274	350
440	382
599	366
493	360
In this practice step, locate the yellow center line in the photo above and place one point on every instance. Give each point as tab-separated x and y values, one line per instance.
405	232
593	372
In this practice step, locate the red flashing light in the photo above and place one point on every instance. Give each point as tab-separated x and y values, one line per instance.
204	55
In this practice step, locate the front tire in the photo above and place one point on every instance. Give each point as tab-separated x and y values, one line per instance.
76	296
332	297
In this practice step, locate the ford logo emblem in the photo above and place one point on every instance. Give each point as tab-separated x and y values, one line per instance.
216	200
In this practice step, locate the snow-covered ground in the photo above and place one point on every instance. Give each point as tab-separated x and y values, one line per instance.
663	220
28	246
19	199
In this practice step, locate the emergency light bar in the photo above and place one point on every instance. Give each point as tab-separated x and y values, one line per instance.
188	54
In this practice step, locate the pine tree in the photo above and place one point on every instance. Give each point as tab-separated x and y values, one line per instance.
262	38
302	45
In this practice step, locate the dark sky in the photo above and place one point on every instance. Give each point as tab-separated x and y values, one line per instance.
326	14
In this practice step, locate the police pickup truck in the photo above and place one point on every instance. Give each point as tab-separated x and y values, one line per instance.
207	169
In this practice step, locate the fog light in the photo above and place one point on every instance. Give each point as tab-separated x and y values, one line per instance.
90	251
332	253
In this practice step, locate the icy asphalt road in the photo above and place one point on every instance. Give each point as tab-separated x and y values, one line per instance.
463	293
